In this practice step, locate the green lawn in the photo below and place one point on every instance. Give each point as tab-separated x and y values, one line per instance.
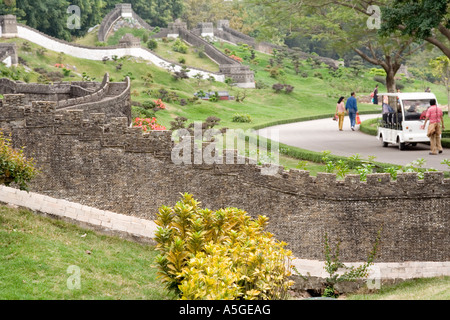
36	252
419	289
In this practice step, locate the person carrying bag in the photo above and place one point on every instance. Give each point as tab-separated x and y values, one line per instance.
436	118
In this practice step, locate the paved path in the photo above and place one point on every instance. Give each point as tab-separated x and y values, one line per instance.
320	135
85	216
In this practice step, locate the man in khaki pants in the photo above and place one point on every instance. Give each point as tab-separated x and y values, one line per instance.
436	118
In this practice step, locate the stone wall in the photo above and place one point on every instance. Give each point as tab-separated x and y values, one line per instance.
242	75
55	92
8	51
103	163
228	34
98	53
8	26
108	22
113	99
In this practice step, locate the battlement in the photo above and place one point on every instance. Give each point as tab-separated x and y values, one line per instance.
116	133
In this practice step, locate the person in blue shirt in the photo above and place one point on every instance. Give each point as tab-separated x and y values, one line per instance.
352	109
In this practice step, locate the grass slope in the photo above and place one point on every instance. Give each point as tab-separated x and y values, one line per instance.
36	252
418	289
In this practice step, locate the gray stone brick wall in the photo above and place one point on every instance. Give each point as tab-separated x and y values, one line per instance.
101	162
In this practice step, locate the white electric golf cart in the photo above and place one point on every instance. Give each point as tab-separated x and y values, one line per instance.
401	125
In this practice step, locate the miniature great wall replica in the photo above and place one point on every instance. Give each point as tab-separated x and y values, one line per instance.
80	136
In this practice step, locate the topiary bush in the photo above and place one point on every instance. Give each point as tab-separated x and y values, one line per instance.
238	117
179	46
223	254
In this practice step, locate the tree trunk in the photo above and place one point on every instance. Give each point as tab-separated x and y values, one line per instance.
390	80
390	86
448	101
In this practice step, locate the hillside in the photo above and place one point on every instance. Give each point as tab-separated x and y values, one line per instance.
315	88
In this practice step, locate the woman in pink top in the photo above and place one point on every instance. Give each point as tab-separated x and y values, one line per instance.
340	112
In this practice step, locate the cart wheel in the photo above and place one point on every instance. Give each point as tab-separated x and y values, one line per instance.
383	143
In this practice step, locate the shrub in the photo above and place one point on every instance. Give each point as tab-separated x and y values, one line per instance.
318	75
152	44
14	167
223	254
259	84
179	46
278	87
288	88
237	117
339	272
214	97
145	37
182	74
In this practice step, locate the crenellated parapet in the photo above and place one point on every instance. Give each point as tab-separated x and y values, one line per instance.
116	133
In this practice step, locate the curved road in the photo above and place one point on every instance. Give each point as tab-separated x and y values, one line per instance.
320	135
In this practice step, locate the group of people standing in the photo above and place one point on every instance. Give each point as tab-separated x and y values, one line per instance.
351	107
434	116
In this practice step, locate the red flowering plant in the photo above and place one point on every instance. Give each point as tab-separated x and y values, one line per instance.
239	59
159	104
148	124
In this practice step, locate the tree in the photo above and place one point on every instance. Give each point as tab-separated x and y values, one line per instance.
51	16
344	24
427	20
441	69
356	64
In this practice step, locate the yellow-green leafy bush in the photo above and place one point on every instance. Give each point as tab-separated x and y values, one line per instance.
14	166
223	254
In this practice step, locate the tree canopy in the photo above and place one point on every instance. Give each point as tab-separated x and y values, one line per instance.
427	20
345	25
51	16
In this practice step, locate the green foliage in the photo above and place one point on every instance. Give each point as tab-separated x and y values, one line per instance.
238	117
223	254
214	97
152	44
339	272
419	18
377	72
302	165
179	46
51	17
14	166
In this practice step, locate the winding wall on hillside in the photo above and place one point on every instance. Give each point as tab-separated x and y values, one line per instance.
111	98
101	162
98	53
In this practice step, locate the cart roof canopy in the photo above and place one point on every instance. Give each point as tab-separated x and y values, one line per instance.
410	95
